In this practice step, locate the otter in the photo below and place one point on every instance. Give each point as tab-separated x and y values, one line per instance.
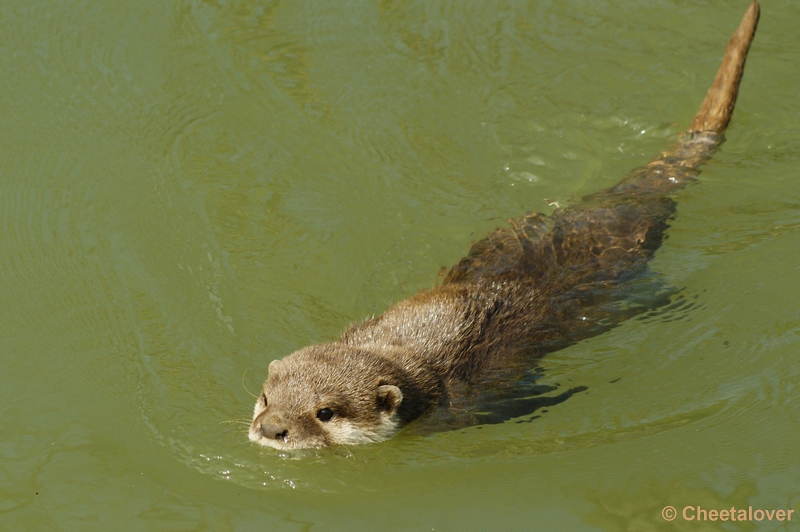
538	285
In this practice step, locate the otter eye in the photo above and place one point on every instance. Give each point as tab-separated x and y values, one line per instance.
264	399
325	414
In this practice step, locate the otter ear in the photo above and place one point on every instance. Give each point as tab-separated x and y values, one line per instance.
271	367
389	398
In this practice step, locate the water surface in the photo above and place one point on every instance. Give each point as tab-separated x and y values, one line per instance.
192	189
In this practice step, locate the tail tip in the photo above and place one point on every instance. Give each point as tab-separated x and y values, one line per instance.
717	108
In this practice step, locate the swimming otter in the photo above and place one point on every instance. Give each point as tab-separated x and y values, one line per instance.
539	285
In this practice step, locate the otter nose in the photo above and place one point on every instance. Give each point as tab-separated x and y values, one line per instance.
268	430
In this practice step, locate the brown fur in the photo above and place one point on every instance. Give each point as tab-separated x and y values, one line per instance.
536	286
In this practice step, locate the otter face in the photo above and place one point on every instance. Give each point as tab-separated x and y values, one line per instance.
326	395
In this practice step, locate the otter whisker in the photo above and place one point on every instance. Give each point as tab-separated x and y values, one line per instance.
240	421
245	386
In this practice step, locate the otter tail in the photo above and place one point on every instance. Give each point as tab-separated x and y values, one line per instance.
717	108
674	169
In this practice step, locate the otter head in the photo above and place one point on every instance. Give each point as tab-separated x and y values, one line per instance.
329	394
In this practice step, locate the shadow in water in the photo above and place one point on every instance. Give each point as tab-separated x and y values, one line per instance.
493	401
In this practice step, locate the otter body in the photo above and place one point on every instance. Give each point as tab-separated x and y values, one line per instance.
539	285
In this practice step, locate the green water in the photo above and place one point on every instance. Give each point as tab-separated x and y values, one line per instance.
189	190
